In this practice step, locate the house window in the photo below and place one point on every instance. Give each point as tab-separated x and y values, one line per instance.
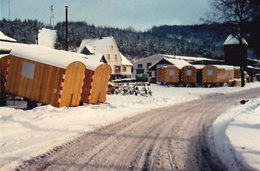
124	69
171	72
140	65
188	72
148	65
28	70
139	71
112	47
210	72
116	57
150	74
117	69
108	57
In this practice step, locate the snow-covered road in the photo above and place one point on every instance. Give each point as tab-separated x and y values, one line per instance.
29	133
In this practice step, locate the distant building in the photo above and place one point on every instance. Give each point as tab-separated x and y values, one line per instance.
106	50
234	52
142	66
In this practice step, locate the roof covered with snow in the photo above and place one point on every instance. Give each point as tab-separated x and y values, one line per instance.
176	62
232	40
97	46
226	67
58	58
6	38
125	61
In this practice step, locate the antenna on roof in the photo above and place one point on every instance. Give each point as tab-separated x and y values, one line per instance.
9	13
66	32
51	16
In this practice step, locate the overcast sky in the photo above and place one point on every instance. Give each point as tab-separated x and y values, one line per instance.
140	14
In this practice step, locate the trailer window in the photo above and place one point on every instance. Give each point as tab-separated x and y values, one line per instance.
28	70
210	72
171	72
188	72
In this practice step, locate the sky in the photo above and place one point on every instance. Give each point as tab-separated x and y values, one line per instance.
139	14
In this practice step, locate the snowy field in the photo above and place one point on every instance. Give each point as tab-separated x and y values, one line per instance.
237	137
29	133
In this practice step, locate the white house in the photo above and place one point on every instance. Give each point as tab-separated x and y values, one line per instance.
106	50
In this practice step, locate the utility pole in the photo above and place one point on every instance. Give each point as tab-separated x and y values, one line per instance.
51	17
9	13
66	32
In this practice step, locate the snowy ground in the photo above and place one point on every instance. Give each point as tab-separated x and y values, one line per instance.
28	133
236	135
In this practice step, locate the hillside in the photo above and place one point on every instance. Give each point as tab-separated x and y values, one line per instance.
192	40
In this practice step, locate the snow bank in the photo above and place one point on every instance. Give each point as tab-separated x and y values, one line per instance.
47	37
29	133
236	135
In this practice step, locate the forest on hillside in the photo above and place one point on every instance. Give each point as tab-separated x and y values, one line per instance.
204	40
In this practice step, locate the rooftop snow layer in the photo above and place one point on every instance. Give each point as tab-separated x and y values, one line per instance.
58	58
125	61
232	40
6	38
97	46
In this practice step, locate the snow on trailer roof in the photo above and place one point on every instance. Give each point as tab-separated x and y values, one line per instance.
227	67
177	62
191	58
58	58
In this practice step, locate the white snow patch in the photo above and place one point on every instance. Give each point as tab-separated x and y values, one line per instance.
47	37
25	134
236	136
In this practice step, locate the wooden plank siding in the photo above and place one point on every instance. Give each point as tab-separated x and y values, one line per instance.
72	89
218	75
160	74
96	84
100	84
172	74
189	74
4	62
49	84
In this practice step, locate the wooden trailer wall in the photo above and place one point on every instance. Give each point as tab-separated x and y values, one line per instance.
190	74
96	84
45	83
172	74
4	59
217	74
160	74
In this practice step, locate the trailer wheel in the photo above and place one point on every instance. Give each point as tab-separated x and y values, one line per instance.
31	104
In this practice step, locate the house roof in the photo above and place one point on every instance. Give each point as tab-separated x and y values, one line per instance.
46	55
6	38
232	40
97	46
125	61
176	62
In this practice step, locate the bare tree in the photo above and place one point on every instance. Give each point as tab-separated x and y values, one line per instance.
238	13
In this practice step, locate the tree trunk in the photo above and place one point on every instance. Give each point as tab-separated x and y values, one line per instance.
242	76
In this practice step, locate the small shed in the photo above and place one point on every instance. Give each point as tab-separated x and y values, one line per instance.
45	75
235	52
172	74
215	74
191	74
